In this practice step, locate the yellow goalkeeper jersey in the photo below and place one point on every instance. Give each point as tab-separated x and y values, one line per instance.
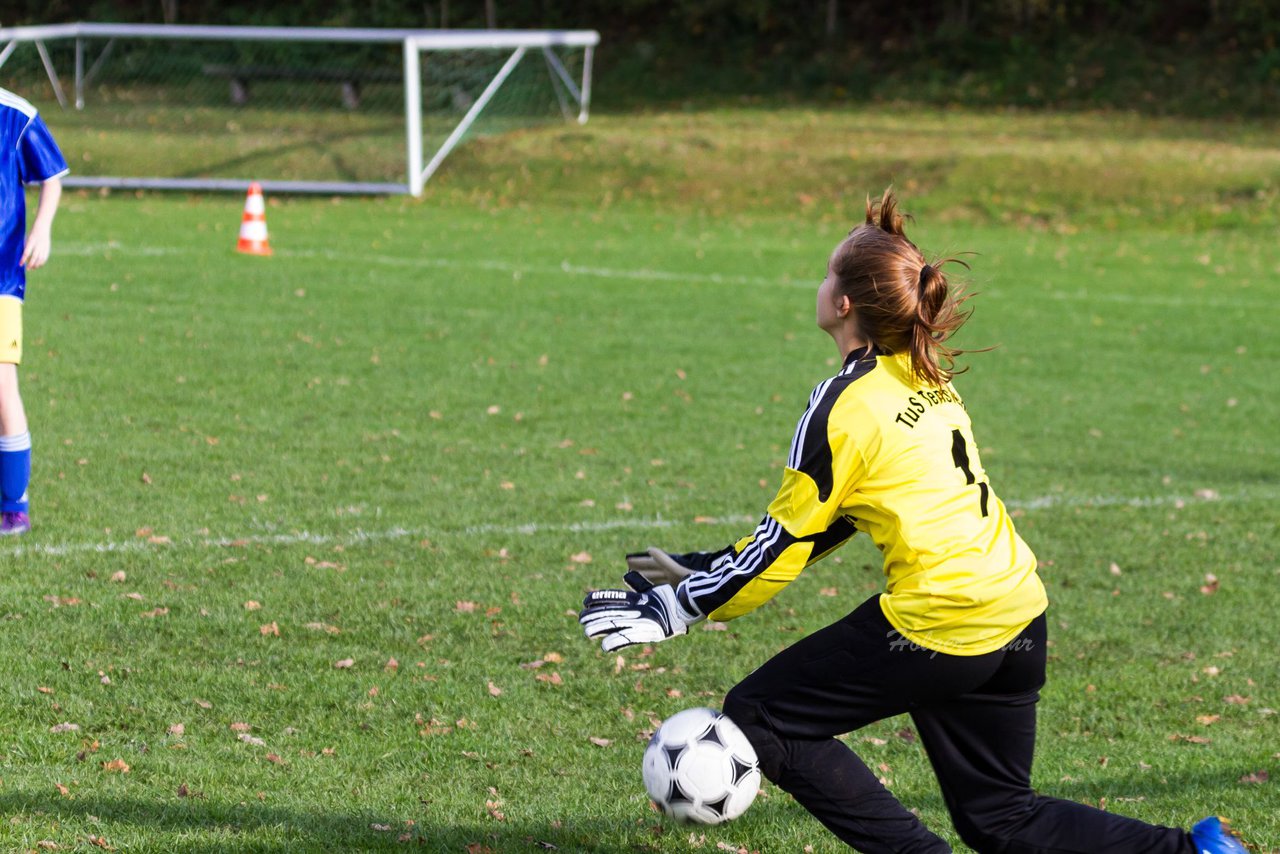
877	452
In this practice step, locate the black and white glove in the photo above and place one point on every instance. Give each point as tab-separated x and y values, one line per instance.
662	567
624	617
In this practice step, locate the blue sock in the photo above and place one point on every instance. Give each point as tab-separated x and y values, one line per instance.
15	472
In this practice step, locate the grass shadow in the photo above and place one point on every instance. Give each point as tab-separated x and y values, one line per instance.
176	826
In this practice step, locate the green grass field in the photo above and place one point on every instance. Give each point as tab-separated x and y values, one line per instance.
311	530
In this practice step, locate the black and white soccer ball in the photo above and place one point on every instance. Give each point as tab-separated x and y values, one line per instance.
700	768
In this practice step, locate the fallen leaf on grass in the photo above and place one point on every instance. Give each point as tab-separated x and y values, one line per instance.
601	742
1191	739
177	729
323	627
251	605
344	664
64	728
240	726
116	765
101	842
1256	777
494	690
433	727
156	612
118	576
251	740
62	790
272	629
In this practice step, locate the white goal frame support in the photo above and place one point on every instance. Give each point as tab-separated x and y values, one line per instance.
415	43
519	43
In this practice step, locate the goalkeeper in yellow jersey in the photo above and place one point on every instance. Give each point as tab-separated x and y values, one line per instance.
957	640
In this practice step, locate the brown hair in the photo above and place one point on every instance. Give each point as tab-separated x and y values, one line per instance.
903	303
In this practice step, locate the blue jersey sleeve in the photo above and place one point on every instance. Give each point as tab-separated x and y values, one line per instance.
39	157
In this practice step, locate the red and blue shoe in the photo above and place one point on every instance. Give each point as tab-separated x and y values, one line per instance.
14	523
1214	836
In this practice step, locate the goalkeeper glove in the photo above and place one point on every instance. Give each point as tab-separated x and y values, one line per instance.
622	617
661	567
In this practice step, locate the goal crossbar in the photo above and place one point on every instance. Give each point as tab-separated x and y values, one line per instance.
414	42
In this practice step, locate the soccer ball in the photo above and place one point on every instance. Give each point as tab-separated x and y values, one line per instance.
700	768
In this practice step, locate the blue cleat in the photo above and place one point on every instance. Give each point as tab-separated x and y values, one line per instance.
1212	835
14	524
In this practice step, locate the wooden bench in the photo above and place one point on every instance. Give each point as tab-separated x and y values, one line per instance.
349	79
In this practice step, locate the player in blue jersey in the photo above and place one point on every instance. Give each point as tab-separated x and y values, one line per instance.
28	155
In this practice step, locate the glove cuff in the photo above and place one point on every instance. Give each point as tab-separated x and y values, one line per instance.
687	609
679	617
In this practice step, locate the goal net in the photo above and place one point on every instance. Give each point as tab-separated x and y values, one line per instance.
296	109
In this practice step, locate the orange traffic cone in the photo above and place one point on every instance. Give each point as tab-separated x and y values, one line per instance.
253	225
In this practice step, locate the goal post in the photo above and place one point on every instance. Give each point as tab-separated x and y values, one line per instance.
519	44
297	109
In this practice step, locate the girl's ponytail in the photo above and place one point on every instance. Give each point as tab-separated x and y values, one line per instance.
938	315
903	302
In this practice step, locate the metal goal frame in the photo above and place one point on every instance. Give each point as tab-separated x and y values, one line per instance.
574	96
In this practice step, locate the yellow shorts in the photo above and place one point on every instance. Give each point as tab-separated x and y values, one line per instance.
10	330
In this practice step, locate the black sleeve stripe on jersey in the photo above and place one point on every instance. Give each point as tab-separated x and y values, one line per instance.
841	530
706	593
748	561
811	449
797	441
712	590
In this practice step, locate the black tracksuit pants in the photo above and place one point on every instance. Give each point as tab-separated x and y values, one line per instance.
976	716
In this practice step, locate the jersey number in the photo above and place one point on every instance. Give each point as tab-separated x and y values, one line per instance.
960	453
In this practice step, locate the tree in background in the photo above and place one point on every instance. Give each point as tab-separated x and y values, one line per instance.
1202	55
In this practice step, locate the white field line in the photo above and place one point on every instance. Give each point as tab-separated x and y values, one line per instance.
567	268
360	536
